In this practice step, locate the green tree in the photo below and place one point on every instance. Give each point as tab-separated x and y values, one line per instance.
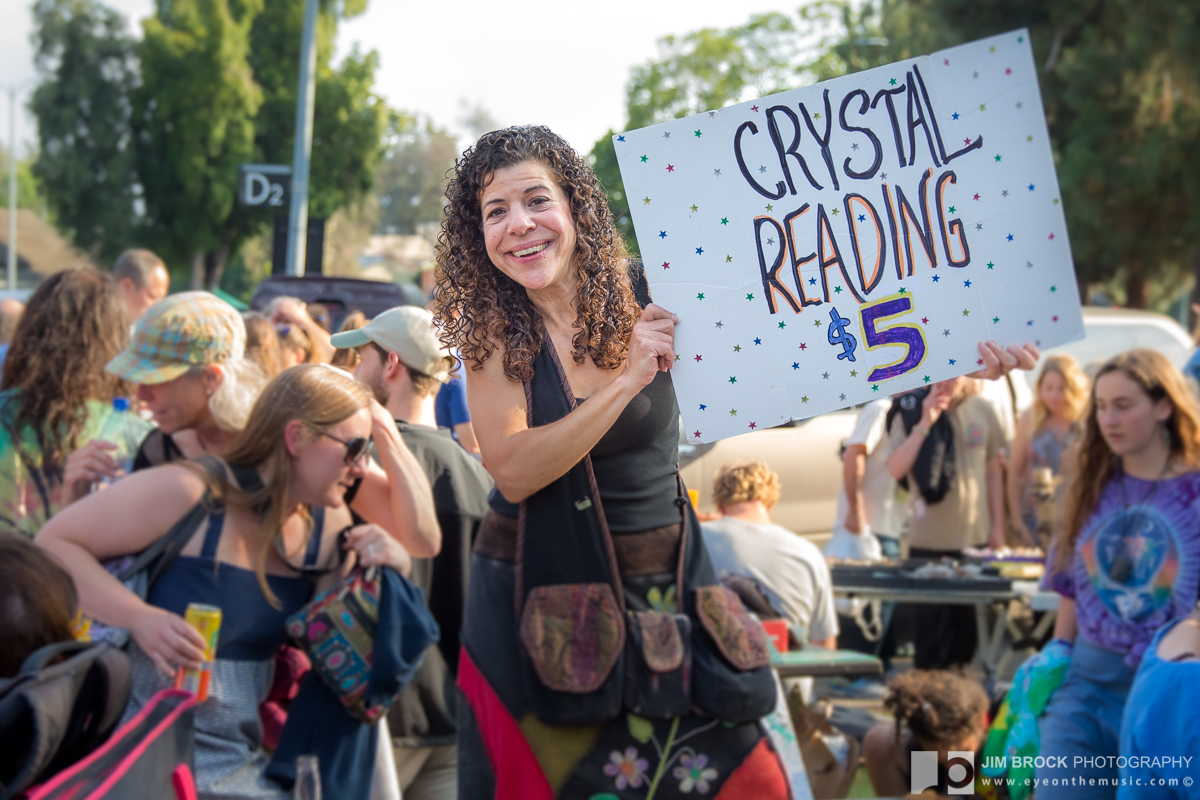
28	192
194	123
411	181
85	159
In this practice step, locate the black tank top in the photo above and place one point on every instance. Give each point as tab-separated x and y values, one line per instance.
635	461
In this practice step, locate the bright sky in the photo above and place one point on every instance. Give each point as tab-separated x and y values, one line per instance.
560	64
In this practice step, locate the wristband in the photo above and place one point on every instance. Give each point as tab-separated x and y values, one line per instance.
924	429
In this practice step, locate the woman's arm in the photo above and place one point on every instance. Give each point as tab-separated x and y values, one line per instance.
102	526
901	461
1018	469
397	497
523	460
1065	626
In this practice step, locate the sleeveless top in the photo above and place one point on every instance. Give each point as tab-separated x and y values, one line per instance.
229	757
635	461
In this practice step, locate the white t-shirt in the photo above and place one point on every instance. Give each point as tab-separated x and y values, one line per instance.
878	485
790	569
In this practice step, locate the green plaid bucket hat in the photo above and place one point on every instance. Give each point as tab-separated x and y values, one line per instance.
185	330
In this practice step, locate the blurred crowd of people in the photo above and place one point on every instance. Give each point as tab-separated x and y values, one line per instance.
589	622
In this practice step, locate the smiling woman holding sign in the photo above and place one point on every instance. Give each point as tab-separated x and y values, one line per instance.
600	654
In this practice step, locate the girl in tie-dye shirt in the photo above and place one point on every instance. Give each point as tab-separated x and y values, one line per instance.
1126	560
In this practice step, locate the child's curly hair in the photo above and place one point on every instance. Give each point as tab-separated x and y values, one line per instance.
741	481
478	307
940	707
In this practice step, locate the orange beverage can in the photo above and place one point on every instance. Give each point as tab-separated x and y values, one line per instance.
207	620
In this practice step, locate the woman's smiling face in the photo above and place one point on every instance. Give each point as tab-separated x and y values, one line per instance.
528	228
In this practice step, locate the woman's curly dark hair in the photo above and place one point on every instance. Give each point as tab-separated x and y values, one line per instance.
75	323
478	306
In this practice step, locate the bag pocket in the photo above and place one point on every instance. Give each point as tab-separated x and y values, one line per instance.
732	677
658	664
571	650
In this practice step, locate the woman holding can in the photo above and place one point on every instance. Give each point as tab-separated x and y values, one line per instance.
303	446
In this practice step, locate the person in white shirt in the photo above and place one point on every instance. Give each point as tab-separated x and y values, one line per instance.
788	568
866	506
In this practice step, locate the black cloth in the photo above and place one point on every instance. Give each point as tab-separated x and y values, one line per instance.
935	466
157	448
944	636
424	714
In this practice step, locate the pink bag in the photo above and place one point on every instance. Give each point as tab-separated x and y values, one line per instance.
149	756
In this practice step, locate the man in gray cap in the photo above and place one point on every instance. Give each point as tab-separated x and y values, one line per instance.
404	364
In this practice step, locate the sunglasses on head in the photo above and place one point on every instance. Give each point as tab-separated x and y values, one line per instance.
356	448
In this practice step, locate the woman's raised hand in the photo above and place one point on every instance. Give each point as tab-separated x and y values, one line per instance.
375	547
999	361
168	639
85	466
652	346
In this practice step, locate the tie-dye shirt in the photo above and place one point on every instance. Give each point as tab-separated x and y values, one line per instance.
30	493
1137	563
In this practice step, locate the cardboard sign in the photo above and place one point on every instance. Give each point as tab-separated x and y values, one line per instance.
843	242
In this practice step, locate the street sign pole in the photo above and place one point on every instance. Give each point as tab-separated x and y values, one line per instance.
298	219
12	188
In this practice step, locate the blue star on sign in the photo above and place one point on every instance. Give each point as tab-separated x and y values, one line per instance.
662	234
758	341
951	364
795	365
936	278
967	284
699	251
954	115
862	217
1010	237
702	406
620	138
812	281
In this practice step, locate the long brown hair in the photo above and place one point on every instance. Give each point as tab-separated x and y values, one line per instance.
479	307
38	601
1094	463
318	395
74	325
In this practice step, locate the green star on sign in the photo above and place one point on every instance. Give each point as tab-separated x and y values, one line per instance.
737	348
875	387
951	209
732	379
783	324
903	290
997	156
769	206
676	356
700	296
646	200
749	296
892	82
724	220
817	322
697	134
853	373
837	290
966	313
995	320
728	259
989	265
927	379
1054	288
695	209
804	399
733	412
645	159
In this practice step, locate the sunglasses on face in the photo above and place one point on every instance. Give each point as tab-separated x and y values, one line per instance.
356	448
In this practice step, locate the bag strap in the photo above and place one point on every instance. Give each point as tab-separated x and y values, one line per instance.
160	555
38	659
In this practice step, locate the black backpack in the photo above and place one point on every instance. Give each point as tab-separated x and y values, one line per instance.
52	716
935	467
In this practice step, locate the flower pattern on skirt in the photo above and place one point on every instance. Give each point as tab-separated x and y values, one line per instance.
694	773
628	770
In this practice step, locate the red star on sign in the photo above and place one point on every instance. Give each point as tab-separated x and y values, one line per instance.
1008	71
979	362
666	265
946	61
803	346
1055	318
670	167
753	426
754	108
924	320
696	434
699	357
966	141
1052	236
976	197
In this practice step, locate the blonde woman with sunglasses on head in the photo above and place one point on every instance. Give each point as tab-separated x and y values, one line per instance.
304	447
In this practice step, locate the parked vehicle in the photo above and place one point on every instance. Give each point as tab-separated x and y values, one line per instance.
339	295
807	453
